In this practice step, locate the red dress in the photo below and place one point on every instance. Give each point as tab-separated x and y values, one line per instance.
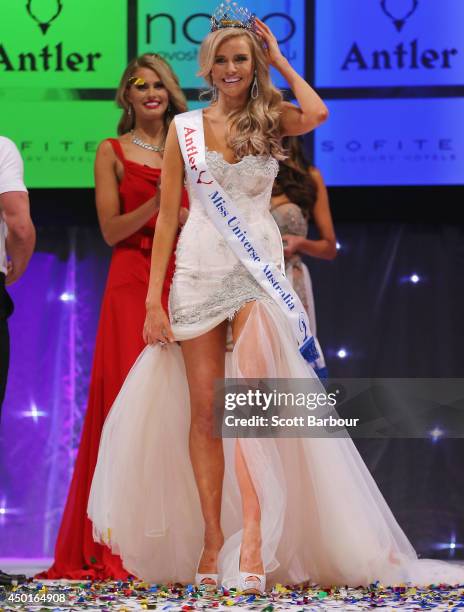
119	342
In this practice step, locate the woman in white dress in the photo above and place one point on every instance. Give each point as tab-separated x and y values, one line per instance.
167	496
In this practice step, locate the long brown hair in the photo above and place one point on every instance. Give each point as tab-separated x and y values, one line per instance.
294	179
152	61
255	129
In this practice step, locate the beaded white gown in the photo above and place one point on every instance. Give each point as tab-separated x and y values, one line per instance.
323	516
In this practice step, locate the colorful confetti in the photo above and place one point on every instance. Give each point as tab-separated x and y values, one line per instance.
128	596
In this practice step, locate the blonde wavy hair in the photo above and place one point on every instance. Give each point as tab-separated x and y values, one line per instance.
254	129
153	61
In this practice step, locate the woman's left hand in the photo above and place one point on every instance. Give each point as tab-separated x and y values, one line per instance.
274	54
291	244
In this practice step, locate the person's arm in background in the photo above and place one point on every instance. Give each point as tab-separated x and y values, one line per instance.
15	211
116	226
20	241
326	246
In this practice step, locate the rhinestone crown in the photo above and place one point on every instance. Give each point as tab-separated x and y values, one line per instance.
231	15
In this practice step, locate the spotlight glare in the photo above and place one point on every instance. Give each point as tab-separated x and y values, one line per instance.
342	353
414	278
450	546
2	510
338	245
436	434
34	413
67	297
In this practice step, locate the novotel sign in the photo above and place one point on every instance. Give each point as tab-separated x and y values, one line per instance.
201	21
176	33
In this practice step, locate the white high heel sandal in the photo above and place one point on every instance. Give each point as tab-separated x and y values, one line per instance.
207	586
252	584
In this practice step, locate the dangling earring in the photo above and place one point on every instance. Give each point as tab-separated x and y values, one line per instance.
255	87
129	110
214	94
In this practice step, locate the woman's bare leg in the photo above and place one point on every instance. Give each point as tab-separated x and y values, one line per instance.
204	362
250	555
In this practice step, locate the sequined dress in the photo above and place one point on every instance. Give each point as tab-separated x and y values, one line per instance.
323	517
210	284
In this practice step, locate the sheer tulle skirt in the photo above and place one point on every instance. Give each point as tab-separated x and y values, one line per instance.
323	517
300	279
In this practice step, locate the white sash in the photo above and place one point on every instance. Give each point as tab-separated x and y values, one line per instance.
228	220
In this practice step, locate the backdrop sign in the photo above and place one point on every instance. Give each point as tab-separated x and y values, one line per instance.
175	31
59	140
61	61
392	142
62	43
57	58
362	43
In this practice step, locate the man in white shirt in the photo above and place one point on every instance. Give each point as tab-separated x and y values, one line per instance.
17	241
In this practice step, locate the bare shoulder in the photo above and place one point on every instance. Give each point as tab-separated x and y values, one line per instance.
105	148
172	142
172	129
316	174
105	153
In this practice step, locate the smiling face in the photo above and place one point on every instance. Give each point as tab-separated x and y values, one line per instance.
147	95
233	68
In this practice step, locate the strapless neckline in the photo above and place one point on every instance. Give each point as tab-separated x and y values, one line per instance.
220	155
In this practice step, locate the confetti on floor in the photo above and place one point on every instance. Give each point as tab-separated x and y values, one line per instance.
128	596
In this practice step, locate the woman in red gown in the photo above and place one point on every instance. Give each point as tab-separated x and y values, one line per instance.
127	174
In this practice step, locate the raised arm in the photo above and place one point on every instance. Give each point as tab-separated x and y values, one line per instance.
157	327
312	111
114	225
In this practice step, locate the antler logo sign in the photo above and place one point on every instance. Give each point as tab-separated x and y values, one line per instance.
399	11
44	12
